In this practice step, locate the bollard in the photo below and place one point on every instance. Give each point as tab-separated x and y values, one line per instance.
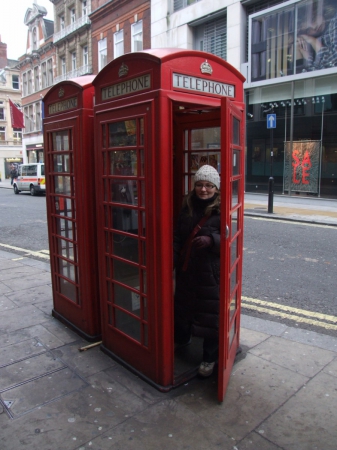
270	194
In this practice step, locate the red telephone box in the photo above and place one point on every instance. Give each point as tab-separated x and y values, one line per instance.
70	190
158	115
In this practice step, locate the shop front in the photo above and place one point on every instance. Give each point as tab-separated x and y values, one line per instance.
303	157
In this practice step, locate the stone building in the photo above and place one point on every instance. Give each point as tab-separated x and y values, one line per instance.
37	72
72	38
10	89
118	27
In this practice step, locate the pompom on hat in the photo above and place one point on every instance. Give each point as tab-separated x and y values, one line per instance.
207	173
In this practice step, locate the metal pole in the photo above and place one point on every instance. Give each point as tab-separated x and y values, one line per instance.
291	135
321	151
271	179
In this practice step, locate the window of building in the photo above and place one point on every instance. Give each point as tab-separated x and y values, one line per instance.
118	43
44	75
62	23
30	82
84	8
50	78
63	65
180	4
294	39
73	61
38	121
25	84
15	82
2	134
31	117
2	111
272	44
17	134
215	37
34	37
72	15
85	55
36	79
137	36
102	53
26	116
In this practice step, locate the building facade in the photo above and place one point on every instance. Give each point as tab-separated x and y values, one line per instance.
118	27
287	52
37	73
10	89
72	38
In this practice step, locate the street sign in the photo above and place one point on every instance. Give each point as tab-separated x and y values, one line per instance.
271	120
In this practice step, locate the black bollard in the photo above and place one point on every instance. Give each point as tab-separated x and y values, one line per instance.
270	194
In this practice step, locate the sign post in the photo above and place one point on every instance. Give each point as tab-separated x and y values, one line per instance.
271	123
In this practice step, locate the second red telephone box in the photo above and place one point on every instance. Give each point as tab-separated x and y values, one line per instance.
70	189
157	114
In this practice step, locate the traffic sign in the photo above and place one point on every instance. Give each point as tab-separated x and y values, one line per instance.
271	120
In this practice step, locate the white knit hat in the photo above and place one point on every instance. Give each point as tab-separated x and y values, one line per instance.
207	173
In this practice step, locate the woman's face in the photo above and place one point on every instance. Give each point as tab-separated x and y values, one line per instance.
204	189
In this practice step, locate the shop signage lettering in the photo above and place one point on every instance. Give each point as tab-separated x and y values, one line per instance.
127	87
301	166
62	106
203	85
305	164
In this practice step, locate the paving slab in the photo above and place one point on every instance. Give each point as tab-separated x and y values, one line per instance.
23	371
10	354
85	363
18	272
27	281
38	392
23	317
39	332
166	425
33	295
297	357
308	419
256	389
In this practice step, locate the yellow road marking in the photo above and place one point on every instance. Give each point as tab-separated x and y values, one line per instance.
294	222
312	318
27	252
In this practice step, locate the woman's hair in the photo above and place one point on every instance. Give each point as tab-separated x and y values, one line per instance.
213	206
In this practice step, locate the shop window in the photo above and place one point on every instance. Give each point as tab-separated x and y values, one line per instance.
118	43
15	82
102	53
137	36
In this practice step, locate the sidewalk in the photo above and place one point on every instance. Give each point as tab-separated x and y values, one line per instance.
282	392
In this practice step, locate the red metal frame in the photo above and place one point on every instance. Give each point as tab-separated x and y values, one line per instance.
70	186
146	81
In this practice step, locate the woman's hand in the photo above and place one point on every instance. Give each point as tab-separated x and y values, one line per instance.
202	242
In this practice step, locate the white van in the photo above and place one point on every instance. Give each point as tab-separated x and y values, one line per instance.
30	178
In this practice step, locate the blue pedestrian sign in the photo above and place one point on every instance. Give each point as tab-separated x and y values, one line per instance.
271	120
